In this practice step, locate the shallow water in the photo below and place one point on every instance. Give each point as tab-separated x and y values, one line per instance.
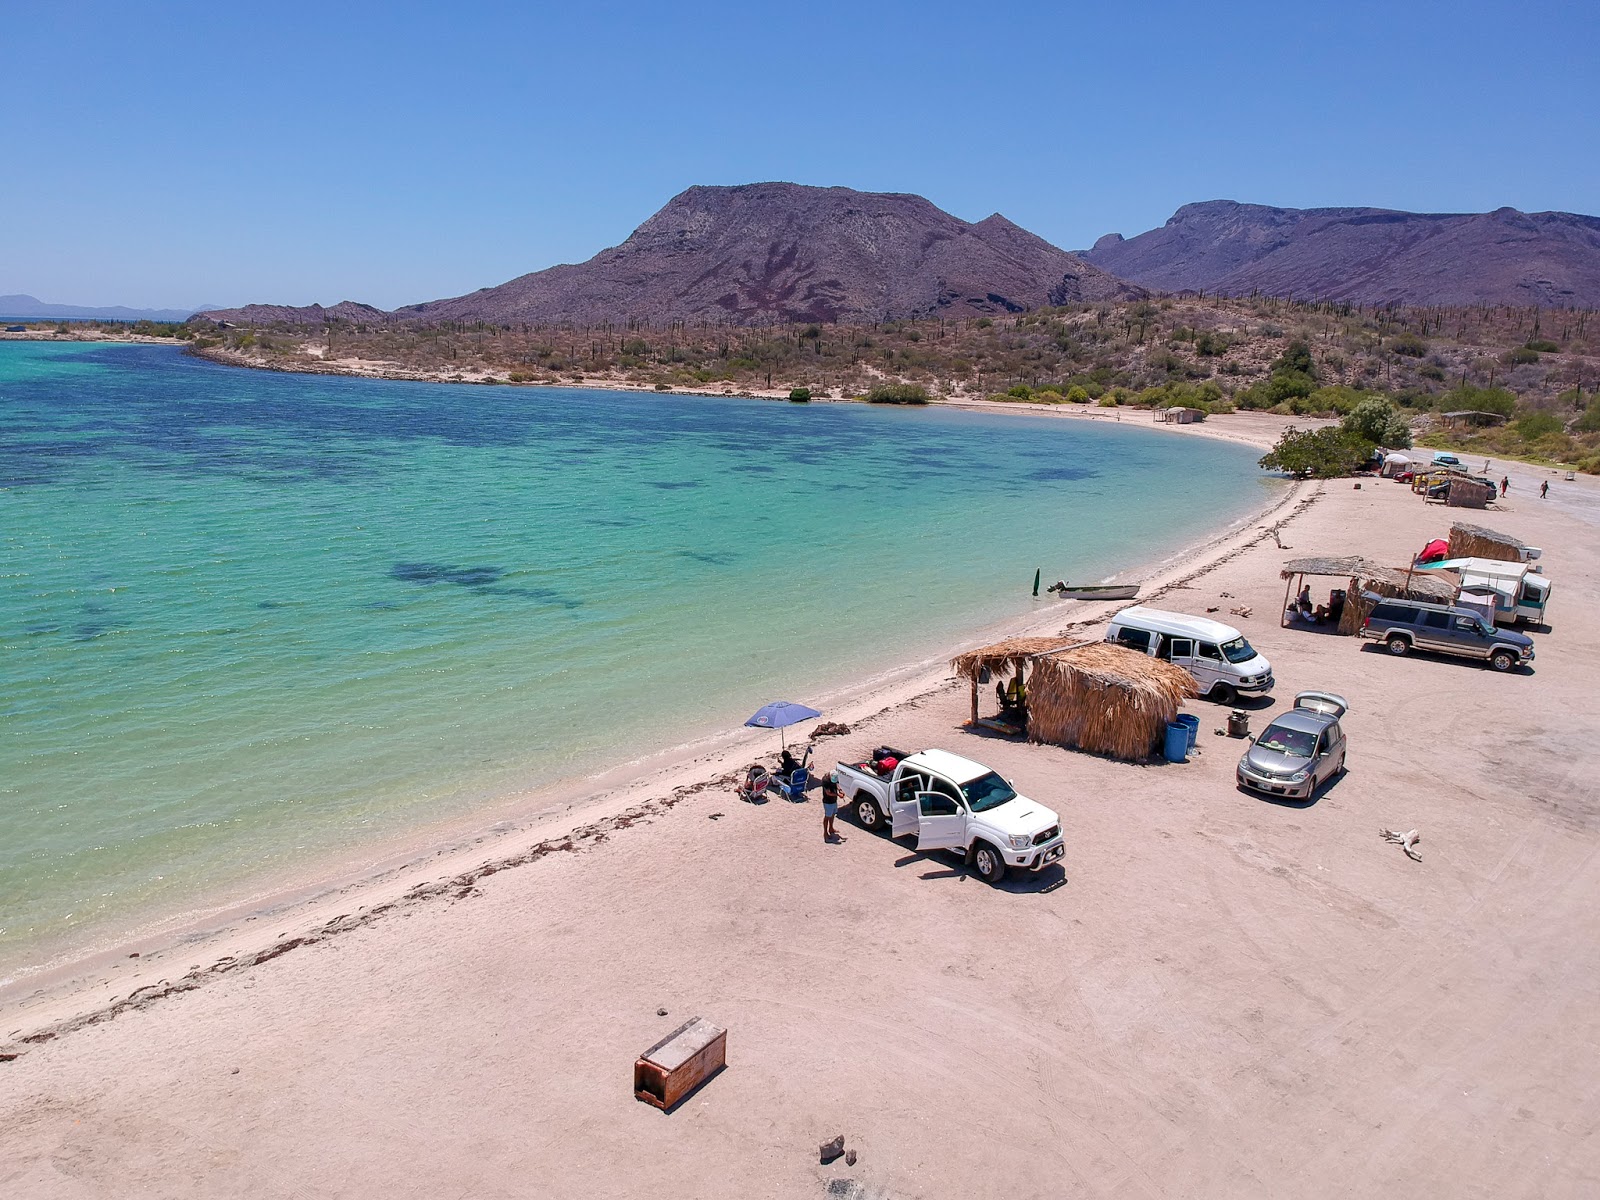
248	619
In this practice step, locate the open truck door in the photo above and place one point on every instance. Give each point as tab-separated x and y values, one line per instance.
904	813
941	822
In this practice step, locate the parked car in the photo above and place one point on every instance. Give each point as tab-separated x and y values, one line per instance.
1407	625
1223	663
953	803
1300	751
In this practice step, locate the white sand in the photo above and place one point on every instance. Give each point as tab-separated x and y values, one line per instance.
1225	997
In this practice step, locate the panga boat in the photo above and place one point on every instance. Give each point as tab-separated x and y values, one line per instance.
1094	591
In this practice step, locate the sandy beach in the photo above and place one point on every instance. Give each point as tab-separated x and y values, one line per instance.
1218	995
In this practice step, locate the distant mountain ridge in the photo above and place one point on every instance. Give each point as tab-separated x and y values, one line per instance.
1371	255
777	252
33	308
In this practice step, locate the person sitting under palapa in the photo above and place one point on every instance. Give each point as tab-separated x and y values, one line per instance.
1013	696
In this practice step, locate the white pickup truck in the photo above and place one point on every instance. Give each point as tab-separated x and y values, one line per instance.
953	803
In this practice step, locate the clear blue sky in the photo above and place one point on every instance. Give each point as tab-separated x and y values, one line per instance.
168	155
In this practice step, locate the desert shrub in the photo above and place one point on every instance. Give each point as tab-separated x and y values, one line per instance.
660	387
897	393
1466	398
1541	345
1590	421
1020	392
1108	401
1431	371
1409	345
800	395
1211	344
1519	356
983	322
1539	424
1077	394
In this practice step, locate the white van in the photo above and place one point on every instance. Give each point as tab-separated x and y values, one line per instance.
1222	662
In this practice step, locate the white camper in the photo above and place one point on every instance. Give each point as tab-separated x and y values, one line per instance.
1518	591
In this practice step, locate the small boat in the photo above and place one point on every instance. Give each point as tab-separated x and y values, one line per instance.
1094	591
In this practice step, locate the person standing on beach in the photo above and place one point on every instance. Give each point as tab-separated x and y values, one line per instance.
1505	484
830	807
1544	489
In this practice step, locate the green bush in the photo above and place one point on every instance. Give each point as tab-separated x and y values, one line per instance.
1590	421
1323	454
1538	424
1431	371
1408	344
800	395
1108	401
984	322
898	393
1466	398
1541	345
1519	356
1378	423
1077	394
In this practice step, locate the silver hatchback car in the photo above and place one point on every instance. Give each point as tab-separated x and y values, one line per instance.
1300	751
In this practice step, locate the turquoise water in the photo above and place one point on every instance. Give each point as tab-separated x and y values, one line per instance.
248	620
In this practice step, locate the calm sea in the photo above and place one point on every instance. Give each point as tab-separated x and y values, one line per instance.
250	619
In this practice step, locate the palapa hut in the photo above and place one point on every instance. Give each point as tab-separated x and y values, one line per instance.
1092	696
1469	493
1437	587
1474	541
1012	655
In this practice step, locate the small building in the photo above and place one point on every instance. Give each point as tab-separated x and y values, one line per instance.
1179	415
1091	696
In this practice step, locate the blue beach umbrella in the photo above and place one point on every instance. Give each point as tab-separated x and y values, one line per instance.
780	714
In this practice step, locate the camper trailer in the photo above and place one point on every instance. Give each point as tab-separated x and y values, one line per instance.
1517	590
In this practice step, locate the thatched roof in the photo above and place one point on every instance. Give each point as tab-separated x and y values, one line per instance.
1474	541
1105	698
1348	567
1002	654
1424	585
1437	586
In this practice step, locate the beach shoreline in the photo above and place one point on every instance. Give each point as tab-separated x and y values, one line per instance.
1215	994
128	962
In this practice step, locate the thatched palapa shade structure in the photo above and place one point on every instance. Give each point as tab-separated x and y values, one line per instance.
1438	587
1105	699
1092	696
1012	654
1474	541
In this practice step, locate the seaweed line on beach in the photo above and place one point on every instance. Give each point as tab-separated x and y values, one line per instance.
456	887
464	885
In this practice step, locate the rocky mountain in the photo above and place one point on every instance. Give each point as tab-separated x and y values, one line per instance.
41	310
289	314
1372	255
781	252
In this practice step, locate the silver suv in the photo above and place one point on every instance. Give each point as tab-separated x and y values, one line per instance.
1407	625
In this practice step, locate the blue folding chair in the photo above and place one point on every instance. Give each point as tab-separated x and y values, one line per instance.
792	786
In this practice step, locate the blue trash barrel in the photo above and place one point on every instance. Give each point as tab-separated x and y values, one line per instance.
1192	723
1177	743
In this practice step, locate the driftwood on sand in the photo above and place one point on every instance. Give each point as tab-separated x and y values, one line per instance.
1406	841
